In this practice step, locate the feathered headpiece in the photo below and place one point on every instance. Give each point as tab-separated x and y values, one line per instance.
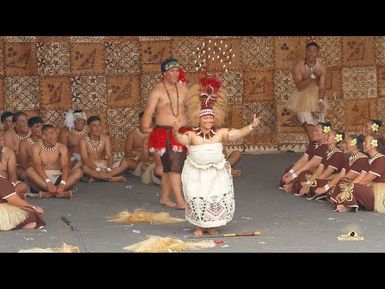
71	116
207	98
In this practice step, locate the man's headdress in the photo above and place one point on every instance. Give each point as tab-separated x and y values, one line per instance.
72	115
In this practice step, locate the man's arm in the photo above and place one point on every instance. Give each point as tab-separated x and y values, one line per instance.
12	176
108	151
129	145
64	162
37	161
23	154
149	110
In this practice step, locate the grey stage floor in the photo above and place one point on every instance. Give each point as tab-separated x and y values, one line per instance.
287	223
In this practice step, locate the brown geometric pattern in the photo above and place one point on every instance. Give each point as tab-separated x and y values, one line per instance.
122	58
147	83
288	50
233	83
54	117
381	108
123	91
87	38
330	50
287	121
121	121
266	112
89	92
258	85
87	58
53	58
359	82
20	59
357	112
336	113
55	93
112	76
22	93
184	48
20	38
283	85
153	53
358	51
333	83
2	94
381	80
257	52
380	49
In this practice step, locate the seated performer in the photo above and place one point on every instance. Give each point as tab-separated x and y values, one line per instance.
331	163
96	153
13	138
6	120
369	193
136	152
51	175
8	167
71	134
35	125
310	161
15	212
206	177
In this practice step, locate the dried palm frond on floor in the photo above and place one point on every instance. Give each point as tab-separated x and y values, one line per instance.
62	249
156	244
143	216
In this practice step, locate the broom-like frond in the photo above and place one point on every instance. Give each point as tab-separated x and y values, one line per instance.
62	249
142	216
156	244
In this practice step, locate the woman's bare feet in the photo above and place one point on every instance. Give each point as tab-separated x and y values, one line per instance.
198	232
212	231
235	172
342	209
29	226
167	203
181	206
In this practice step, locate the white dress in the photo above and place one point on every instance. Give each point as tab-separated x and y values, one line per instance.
208	186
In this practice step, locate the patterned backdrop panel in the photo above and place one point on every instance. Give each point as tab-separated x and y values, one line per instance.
113	76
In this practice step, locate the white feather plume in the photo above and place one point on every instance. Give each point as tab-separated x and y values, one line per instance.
69	119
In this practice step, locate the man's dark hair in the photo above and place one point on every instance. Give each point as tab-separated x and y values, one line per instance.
92	119
312	43
34	120
78	110
5	115
47	126
16	115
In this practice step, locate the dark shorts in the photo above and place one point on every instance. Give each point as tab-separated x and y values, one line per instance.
173	161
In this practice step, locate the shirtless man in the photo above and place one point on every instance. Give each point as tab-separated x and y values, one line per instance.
167	100
8	167
309	77
13	138
25	147
50	173
71	134
136	150
96	153
6	120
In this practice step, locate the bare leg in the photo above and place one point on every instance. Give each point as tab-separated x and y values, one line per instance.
176	186
125	164
91	173
165	191
35	181
212	231
29	226
234	157
73	178
198	231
